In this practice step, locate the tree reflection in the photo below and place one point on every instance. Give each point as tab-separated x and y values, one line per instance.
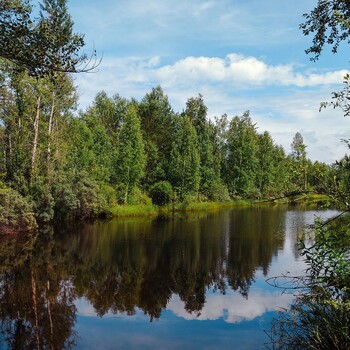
140	264
126	265
37	302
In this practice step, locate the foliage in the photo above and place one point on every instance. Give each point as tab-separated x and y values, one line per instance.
313	325
43	202
161	193
15	211
299	164
319	318
242	161
340	99
185	159
44	45
329	23
138	197
131	159
328	258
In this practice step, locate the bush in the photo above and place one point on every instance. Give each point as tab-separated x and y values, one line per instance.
65	199
15	212
43	202
139	197
161	193
76	199
107	196
218	192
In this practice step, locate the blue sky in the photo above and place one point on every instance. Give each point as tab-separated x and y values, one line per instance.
240	55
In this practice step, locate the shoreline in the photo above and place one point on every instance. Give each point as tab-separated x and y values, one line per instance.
150	210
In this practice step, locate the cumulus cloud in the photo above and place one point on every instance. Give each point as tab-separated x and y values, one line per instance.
283	99
242	70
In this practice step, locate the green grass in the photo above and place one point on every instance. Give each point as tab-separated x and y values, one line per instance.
134	210
152	210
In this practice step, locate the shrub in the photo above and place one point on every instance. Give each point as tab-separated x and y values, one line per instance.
107	197
139	197
15	212
218	192
161	193
43	203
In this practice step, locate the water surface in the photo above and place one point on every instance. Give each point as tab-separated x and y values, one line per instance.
195	282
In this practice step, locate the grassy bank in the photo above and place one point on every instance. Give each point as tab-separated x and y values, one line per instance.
152	210
134	210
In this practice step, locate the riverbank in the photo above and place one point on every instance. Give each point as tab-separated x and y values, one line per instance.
16	216
153	210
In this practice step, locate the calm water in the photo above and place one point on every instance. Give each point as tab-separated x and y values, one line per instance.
196	282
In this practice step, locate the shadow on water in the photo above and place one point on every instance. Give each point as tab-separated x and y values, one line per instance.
124	265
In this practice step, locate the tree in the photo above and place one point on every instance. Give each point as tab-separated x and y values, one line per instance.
196	111
299	163
45	45
157	123
185	160
241	158
266	163
329	22
131	158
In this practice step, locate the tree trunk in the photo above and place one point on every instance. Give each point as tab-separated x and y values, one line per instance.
49	134
36	132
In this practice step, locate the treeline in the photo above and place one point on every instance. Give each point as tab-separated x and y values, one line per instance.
56	163
122	151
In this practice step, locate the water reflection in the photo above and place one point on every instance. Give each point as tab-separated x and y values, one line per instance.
202	268
37	300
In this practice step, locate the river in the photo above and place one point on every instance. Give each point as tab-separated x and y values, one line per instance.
194	282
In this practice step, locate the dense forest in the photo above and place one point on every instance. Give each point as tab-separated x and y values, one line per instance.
57	162
121	151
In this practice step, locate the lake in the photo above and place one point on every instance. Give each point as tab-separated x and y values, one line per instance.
194	282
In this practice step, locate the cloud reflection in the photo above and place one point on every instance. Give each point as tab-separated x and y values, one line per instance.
233	308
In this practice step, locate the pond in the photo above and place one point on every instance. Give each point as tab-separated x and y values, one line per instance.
194	282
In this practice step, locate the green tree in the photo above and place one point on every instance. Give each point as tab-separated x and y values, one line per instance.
185	159
44	45
299	161
242	156
131	158
157	123
196	110
266	163
329	24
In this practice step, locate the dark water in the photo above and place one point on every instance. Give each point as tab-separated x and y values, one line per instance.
197	282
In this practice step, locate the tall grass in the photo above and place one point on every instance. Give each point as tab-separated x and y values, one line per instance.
133	210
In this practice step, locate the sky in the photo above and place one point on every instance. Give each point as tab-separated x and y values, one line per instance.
240	55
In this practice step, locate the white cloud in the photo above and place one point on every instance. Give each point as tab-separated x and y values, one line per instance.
242	70
233	308
283	99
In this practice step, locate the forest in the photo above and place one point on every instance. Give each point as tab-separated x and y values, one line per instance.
58	162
